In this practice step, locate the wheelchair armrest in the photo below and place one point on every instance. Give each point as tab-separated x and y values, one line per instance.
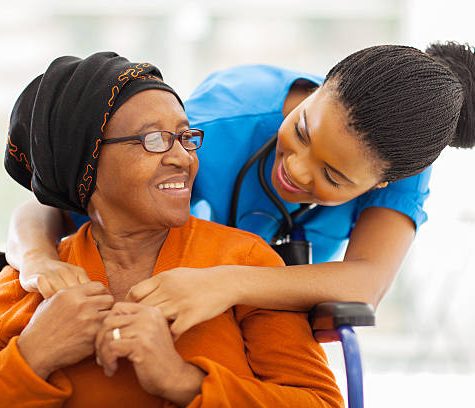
331	315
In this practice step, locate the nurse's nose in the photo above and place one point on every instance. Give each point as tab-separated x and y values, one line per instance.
298	169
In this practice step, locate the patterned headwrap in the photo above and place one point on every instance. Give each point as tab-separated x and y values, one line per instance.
58	122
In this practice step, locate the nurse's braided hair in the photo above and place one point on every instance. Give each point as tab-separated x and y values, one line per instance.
407	105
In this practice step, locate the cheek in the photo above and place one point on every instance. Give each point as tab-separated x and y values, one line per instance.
330	195
194	167
119	176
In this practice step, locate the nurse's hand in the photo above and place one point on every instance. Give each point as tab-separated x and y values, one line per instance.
48	276
188	296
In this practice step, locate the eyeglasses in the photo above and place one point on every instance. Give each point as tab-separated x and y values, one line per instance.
160	141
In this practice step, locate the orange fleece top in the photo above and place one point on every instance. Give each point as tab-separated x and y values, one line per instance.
252	357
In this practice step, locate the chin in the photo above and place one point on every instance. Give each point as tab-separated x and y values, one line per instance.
176	220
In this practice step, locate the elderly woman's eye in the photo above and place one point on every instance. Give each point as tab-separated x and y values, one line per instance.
155	142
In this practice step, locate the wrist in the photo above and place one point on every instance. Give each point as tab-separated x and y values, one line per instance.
185	386
237	291
34	358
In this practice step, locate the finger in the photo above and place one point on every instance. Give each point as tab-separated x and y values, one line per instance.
94	288
30	285
126	308
142	289
179	326
114	350
69	277
102	314
104	351
107	360
105	332
112	321
44	287
168	309
154	298
101	302
56	283
82	275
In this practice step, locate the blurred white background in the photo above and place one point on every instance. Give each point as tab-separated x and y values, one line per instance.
421	352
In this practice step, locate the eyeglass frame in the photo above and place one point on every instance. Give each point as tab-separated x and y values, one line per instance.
141	138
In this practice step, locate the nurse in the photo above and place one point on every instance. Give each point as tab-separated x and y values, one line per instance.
358	144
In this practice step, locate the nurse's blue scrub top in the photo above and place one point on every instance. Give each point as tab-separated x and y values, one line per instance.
240	109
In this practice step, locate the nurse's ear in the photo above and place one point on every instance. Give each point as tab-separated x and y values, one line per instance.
383	184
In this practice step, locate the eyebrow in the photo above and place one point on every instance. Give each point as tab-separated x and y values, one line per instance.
149	125
307	134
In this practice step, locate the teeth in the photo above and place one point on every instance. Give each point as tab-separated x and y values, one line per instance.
171	186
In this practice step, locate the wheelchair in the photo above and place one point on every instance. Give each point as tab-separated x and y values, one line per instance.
334	321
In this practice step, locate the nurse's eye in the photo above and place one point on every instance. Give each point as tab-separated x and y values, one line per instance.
326	174
300	136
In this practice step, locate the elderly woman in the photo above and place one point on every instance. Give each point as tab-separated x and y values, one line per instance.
109	138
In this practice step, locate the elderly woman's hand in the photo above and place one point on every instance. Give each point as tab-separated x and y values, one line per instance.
63	328
146	341
188	296
48	276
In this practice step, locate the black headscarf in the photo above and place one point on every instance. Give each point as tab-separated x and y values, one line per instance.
58	121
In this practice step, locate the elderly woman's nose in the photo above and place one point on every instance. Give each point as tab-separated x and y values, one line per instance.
178	156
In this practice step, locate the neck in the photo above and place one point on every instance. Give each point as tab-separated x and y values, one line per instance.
127	249
299	91
129	256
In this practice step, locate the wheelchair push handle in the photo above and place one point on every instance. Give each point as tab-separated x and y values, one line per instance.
331	315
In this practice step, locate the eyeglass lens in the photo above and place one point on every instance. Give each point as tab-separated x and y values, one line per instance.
162	141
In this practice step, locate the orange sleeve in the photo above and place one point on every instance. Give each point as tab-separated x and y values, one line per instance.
290	366
19	384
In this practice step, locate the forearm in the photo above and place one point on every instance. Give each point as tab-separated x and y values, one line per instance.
377	247
300	287
34	230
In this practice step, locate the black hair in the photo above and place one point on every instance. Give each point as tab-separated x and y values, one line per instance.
460	59
406	105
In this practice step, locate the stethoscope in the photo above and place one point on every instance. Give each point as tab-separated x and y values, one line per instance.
289	240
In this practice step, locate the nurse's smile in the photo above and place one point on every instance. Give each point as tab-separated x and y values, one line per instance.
286	181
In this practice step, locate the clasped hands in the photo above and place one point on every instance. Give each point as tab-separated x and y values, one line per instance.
78	321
